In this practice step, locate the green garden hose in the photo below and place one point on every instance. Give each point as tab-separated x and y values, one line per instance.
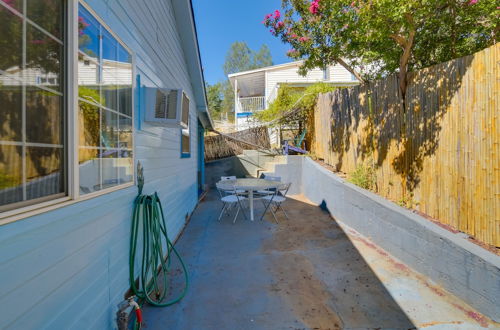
157	251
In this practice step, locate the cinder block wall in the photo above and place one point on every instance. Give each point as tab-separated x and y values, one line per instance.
449	259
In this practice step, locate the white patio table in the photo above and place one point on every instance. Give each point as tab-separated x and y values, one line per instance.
250	185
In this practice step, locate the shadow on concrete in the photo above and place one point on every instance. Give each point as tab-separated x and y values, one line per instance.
301	273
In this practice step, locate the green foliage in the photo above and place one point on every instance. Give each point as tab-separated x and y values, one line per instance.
407	201
214	98
262	58
90	114
290	98
228	97
372	35
241	58
364	177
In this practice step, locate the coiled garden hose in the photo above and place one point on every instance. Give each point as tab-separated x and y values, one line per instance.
157	252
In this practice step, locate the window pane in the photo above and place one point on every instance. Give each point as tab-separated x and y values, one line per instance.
126	168
11	189
185	147
43	59
88	34
109	70
89	120
124	80
16	4
11	42
185	109
125	133
44	172
90	170
109	129
110	165
88	80
41	105
48	14
109	94
10	113
105	79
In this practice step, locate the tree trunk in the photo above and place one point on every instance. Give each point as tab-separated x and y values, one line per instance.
403	64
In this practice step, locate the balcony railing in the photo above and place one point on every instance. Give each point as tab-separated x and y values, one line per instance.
250	104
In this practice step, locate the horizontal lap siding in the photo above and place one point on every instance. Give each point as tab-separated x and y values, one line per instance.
337	73
68	268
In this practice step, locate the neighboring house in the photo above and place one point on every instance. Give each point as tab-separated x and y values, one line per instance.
255	89
72	129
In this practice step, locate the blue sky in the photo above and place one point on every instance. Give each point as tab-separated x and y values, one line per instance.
222	22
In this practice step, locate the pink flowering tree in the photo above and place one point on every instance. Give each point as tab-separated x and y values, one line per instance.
373	38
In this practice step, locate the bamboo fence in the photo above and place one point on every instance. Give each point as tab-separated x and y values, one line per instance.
438	154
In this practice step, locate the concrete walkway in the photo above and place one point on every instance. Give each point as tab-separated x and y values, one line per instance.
310	272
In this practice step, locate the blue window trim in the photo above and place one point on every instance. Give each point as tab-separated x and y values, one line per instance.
186	154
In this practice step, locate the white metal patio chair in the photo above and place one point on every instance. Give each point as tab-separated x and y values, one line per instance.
232	178
275	200
271	191
230	198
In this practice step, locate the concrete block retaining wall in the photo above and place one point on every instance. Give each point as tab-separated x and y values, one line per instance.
449	259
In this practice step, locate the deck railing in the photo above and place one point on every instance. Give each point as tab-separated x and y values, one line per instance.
250	104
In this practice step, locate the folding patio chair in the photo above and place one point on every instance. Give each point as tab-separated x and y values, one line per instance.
271	191
275	200
230	198
232	178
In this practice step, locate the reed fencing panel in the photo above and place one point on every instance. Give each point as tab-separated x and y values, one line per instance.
219	146
438	154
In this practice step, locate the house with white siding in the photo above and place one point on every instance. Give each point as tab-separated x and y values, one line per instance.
75	97
255	89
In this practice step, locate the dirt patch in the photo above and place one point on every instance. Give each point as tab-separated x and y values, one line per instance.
310	227
307	296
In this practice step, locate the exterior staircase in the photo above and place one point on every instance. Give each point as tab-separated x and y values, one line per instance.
258	162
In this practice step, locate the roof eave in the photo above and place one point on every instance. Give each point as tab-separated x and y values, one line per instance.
184	15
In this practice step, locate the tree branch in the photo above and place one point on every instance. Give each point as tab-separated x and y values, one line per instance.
351	70
398	39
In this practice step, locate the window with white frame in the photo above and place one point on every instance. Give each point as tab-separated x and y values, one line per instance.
34	128
105	106
32	112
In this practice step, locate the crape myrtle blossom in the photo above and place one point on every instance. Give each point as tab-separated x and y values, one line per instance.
314	8
280	25
398	35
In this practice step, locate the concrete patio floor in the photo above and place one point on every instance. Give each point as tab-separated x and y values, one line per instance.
309	272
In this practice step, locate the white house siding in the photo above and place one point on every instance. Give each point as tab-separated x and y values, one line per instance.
336	73
68	268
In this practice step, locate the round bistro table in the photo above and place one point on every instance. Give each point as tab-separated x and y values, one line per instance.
250	185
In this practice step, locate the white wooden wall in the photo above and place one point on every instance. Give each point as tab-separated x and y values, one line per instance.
336	73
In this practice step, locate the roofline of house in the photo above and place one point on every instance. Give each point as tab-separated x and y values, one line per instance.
184	9
267	68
